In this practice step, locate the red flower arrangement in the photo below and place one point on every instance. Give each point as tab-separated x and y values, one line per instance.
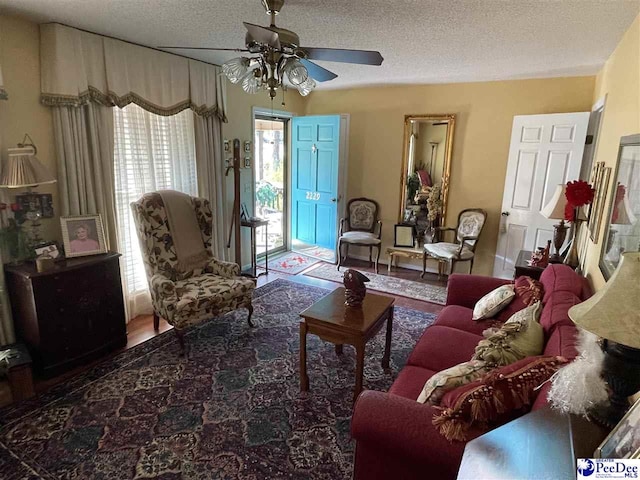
579	193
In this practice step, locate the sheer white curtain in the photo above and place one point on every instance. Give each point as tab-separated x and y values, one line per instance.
152	152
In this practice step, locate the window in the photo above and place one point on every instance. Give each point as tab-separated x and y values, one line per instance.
151	152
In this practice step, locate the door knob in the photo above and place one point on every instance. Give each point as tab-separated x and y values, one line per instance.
505	214
334	200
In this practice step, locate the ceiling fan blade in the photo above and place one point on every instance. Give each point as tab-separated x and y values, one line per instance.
207	48
317	72
263	34
363	57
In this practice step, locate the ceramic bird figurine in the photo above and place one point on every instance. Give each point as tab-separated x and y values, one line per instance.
355	288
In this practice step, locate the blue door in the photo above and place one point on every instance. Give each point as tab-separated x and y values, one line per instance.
314	179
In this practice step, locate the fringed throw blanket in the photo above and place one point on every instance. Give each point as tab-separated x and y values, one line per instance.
185	231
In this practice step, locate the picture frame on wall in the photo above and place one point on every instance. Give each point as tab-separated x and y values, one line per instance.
622	230
600	182
404	235
624	439
83	235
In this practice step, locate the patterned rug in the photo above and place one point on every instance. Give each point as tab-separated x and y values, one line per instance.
319	252
383	283
292	263
231	410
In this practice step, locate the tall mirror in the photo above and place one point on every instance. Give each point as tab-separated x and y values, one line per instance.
425	172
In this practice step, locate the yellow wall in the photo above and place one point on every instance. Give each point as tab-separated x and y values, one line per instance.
23	113
619	80
484	112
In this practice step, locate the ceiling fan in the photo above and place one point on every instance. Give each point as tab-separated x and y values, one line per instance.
278	59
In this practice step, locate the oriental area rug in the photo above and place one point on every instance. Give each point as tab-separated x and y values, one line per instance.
230	409
292	263
384	283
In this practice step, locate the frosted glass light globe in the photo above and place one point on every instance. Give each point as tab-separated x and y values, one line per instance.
236	68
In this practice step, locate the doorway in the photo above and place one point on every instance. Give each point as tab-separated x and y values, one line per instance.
271	173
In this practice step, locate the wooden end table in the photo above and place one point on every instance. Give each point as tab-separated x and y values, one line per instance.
331	320
522	268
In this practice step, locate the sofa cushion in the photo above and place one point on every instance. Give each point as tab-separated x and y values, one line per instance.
560	278
556	310
521	336
459	318
493	302
499	395
450	379
528	291
410	381
443	347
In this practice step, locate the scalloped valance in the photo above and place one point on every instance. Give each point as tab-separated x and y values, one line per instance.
78	67
3	92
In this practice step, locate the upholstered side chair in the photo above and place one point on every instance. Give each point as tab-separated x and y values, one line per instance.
184	298
361	228
470	224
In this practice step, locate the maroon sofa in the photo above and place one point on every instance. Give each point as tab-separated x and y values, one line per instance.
394	434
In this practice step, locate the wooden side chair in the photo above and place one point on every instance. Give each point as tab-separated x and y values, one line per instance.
470	224
361	228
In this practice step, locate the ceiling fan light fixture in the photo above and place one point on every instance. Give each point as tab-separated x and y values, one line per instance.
296	72
251	83
306	87
236	68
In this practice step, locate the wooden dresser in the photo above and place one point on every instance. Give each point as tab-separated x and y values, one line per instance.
68	315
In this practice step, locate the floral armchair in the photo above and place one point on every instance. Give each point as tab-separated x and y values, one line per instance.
184	298
470	224
361	228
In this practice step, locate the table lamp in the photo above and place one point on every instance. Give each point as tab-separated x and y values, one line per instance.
613	314
24	170
555	210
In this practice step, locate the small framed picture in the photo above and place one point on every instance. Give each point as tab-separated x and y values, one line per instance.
404	236
244	213
247	146
624	439
48	249
227	146
247	162
83	235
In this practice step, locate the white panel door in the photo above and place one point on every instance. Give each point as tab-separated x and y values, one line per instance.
546	150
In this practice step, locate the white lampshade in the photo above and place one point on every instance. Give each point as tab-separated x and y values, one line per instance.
555	208
24	170
614	311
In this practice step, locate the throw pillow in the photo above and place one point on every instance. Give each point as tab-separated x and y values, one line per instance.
499	395
521	336
528	291
493	302
445	380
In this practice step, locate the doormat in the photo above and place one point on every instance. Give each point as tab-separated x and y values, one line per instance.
322	253
383	283
292	263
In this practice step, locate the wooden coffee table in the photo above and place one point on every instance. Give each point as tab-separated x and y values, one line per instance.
331	320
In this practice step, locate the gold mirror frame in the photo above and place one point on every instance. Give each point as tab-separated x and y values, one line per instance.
450	118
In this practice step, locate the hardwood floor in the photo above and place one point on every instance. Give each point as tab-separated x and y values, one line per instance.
140	329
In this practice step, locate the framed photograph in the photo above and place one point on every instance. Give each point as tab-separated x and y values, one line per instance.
34	202
227	146
247	146
83	235
244	213
49	249
247	162
404	236
599	181
622	231
624	439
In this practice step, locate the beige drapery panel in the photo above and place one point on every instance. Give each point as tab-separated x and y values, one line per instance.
84	148
78	67
209	171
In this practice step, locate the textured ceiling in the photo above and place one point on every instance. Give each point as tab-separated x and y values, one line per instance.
428	41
